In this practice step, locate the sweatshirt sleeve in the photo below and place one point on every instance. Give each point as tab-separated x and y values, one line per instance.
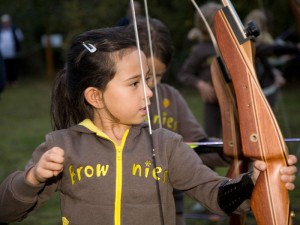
197	66
18	198
267	50
188	73
188	173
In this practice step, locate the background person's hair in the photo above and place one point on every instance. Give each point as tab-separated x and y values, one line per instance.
162	45
199	32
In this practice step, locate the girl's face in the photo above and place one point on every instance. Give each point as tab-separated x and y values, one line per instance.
124	95
160	69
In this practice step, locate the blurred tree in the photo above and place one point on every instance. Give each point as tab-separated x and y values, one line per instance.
70	17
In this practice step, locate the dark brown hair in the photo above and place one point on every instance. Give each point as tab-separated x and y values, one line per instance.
162	45
87	69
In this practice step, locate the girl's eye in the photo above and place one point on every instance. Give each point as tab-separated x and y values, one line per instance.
148	77
134	84
159	76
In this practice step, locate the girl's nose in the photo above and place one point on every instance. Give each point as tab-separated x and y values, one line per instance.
149	93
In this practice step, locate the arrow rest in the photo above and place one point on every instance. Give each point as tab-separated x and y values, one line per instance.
252	29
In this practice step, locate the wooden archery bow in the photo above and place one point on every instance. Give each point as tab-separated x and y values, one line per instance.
260	133
232	146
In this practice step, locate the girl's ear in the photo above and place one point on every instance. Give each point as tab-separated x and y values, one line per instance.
94	97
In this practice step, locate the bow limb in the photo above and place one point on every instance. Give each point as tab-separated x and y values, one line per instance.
232	146
260	133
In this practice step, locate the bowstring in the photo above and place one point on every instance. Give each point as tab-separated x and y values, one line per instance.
141	64
152	64
145	95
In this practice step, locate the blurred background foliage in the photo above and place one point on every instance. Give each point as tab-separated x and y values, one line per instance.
71	17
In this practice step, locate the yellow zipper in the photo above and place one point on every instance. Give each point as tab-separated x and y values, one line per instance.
119	166
118	193
119	176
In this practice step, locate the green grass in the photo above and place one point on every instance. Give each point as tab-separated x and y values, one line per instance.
24	120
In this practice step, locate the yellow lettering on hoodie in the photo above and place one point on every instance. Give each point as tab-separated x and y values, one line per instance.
65	221
72	174
167	121
155	172
79	173
101	170
135	168
138	170
87	171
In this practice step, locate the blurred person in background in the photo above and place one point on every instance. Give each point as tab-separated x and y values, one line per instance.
10	46
269	76
195	71
2	74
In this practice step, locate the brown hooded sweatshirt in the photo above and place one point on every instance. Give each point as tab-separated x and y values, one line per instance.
103	183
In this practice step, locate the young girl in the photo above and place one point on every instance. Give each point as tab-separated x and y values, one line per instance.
101	159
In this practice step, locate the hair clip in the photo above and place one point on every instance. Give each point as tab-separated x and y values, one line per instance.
91	48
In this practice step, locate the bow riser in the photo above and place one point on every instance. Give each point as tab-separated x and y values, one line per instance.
260	133
230	128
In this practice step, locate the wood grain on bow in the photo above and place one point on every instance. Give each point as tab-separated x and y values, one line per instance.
260	134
